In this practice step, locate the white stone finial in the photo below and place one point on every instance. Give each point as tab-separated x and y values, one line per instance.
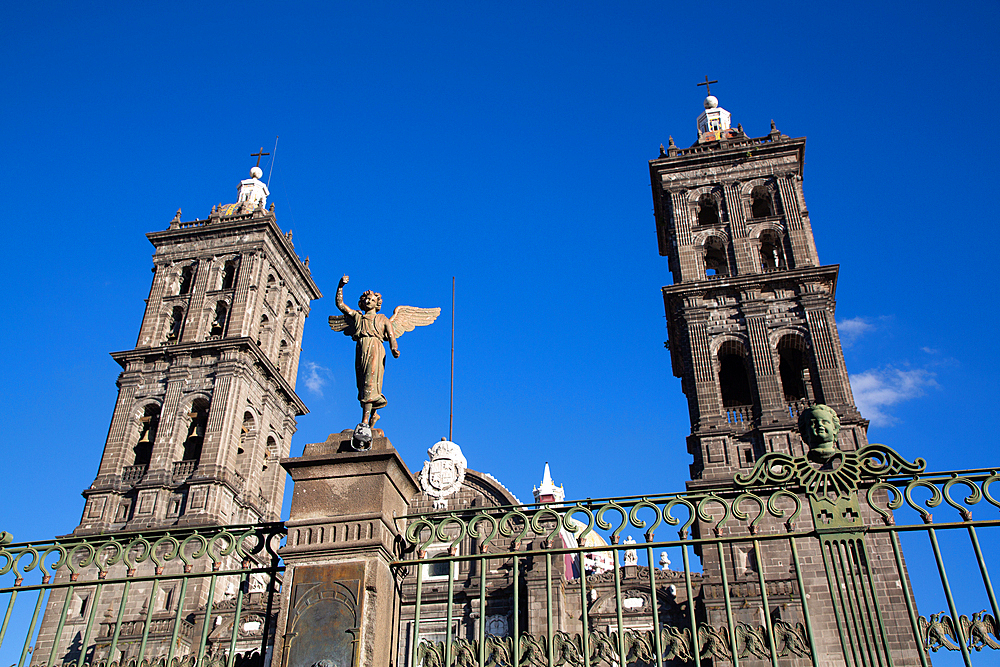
547	491
631	555
711	102
252	190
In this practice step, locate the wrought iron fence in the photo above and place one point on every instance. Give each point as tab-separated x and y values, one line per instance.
801	563
178	597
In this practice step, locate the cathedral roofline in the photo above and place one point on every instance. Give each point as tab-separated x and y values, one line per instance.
141	353
199	228
742	147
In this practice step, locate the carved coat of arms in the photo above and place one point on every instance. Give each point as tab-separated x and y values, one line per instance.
443	475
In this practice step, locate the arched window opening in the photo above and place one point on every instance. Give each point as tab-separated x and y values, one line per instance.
270	290
245	432
265	330
772	255
288	308
734	383
187	276
270	452
716	263
219	323
761	204
282	353
196	431
229	274
148	424
708	210
176	320
793	368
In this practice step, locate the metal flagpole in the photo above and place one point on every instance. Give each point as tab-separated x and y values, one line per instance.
451	407
274	154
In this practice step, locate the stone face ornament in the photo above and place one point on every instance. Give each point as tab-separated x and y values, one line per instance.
444	473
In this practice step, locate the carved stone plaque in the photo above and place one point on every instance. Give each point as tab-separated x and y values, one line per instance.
325	616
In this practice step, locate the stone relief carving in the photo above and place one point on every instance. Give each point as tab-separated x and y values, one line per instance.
444	473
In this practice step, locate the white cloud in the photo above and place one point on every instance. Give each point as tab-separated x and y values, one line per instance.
876	389
851	329
316	377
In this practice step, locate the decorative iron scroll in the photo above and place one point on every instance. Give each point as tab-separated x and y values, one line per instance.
871	462
939	631
510	529
250	546
506	529
603	647
940	488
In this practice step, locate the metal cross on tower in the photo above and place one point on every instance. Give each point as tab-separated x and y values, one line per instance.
262	153
706	83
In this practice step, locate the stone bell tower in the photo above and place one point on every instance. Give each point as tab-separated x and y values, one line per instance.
206	403
750	313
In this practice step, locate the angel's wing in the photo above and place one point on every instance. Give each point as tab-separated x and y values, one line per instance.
407	318
340	323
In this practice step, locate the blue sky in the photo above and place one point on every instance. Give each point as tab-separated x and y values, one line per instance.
506	145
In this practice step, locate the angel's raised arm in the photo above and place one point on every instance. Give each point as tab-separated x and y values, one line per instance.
340	297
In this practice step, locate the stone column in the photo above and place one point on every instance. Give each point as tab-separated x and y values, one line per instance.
743	246
338	598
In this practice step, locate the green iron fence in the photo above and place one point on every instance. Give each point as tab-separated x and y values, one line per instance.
801	564
796	564
180	597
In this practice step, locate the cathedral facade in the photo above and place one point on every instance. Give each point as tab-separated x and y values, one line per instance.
443	565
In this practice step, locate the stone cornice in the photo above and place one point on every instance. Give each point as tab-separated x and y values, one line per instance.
734	150
241	343
760	280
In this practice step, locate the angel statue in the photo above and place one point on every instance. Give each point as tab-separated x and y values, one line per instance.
370	329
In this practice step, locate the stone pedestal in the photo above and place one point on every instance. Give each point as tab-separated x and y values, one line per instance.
338	599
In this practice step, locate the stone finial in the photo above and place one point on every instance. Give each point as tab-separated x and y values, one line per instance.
739	128
663	153
252	192
631	556
271	207
176	221
547	491
670	141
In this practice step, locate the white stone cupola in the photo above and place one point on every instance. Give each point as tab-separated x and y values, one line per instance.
713	122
